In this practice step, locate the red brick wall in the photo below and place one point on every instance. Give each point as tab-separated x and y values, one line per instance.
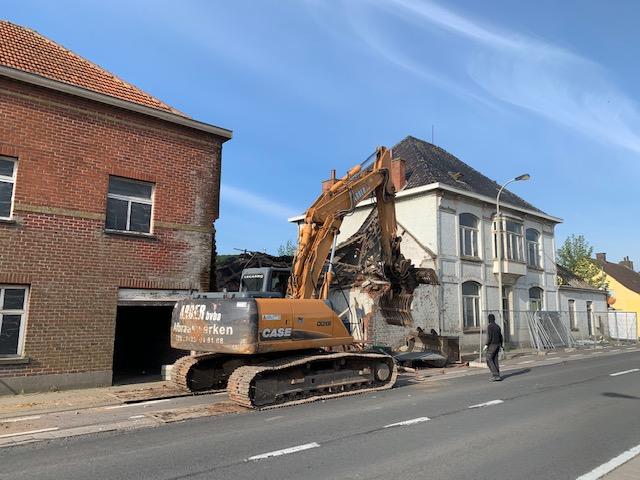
66	148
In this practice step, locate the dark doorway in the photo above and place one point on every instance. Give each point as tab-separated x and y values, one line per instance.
142	343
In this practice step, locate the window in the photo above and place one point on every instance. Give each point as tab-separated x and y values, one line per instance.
13	301
471	304
533	248
535	299
572	315
129	205
7	182
469	235
512	240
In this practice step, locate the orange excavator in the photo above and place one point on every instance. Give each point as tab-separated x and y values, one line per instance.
273	349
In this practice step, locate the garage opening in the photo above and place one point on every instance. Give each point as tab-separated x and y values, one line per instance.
142	343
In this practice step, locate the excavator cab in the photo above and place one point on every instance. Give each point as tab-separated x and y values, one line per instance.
265	279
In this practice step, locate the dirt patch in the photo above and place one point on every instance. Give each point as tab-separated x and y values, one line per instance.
177	415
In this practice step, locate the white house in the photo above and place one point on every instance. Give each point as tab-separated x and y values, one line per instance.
445	210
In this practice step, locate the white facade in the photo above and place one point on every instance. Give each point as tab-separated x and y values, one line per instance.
586	310
429	224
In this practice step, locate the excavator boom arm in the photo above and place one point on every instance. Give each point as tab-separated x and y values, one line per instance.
323	219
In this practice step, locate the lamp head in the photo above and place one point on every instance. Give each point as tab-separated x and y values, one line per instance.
524	176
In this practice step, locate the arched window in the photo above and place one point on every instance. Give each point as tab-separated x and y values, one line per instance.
533	248
469	235
471	304
535	299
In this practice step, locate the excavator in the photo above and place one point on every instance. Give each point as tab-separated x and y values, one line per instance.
274	347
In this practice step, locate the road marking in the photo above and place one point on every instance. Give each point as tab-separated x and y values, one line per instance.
615	350
141	404
487	404
612	464
7	435
133	417
526	361
21	419
284	451
413	421
596	353
577	355
271	419
624	371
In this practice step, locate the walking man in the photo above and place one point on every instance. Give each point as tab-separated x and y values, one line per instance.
493	346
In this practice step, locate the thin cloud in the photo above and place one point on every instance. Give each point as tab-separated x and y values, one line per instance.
254	202
502	65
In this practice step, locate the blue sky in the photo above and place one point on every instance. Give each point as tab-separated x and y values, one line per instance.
543	87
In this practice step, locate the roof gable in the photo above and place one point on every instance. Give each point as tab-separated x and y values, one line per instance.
622	274
26	50
427	163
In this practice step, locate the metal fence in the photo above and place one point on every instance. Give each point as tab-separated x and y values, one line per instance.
545	330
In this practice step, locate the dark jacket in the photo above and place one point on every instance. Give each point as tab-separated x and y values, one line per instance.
494	334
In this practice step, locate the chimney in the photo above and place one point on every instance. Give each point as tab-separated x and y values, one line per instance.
601	256
627	263
327	184
398	173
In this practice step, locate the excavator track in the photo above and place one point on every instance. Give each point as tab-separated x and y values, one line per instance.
301	379
185	376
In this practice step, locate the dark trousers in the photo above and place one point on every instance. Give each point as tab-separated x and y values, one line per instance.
492	359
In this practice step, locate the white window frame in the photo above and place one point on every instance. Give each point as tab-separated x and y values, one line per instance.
22	312
537	261
473	237
536	302
475	299
12	181
132	199
512	243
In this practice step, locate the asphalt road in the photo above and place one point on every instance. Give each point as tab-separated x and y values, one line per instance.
557	421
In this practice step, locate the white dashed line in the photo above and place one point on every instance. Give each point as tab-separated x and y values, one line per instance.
487	404
526	361
21	419
141	404
133	417
596	353
284	451
413	421
614	350
624	372
612	464
7	435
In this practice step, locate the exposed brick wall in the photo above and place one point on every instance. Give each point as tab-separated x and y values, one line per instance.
66	148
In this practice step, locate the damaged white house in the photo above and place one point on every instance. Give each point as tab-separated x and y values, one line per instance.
445	211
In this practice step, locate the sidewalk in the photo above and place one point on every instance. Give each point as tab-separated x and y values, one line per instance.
626	471
49	402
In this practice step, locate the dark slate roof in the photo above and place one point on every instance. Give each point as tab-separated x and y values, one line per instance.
427	163
569	280
622	274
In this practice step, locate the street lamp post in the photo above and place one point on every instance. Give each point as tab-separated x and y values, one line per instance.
499	240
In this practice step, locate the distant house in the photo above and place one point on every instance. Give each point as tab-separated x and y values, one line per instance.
107	202
445	209
623	283
584	306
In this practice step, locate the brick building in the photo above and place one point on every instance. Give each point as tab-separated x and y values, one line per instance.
107	203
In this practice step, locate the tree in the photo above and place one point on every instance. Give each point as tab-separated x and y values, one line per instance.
287	249
575	255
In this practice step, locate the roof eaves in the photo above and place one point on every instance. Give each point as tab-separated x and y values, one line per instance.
165	115
409	192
